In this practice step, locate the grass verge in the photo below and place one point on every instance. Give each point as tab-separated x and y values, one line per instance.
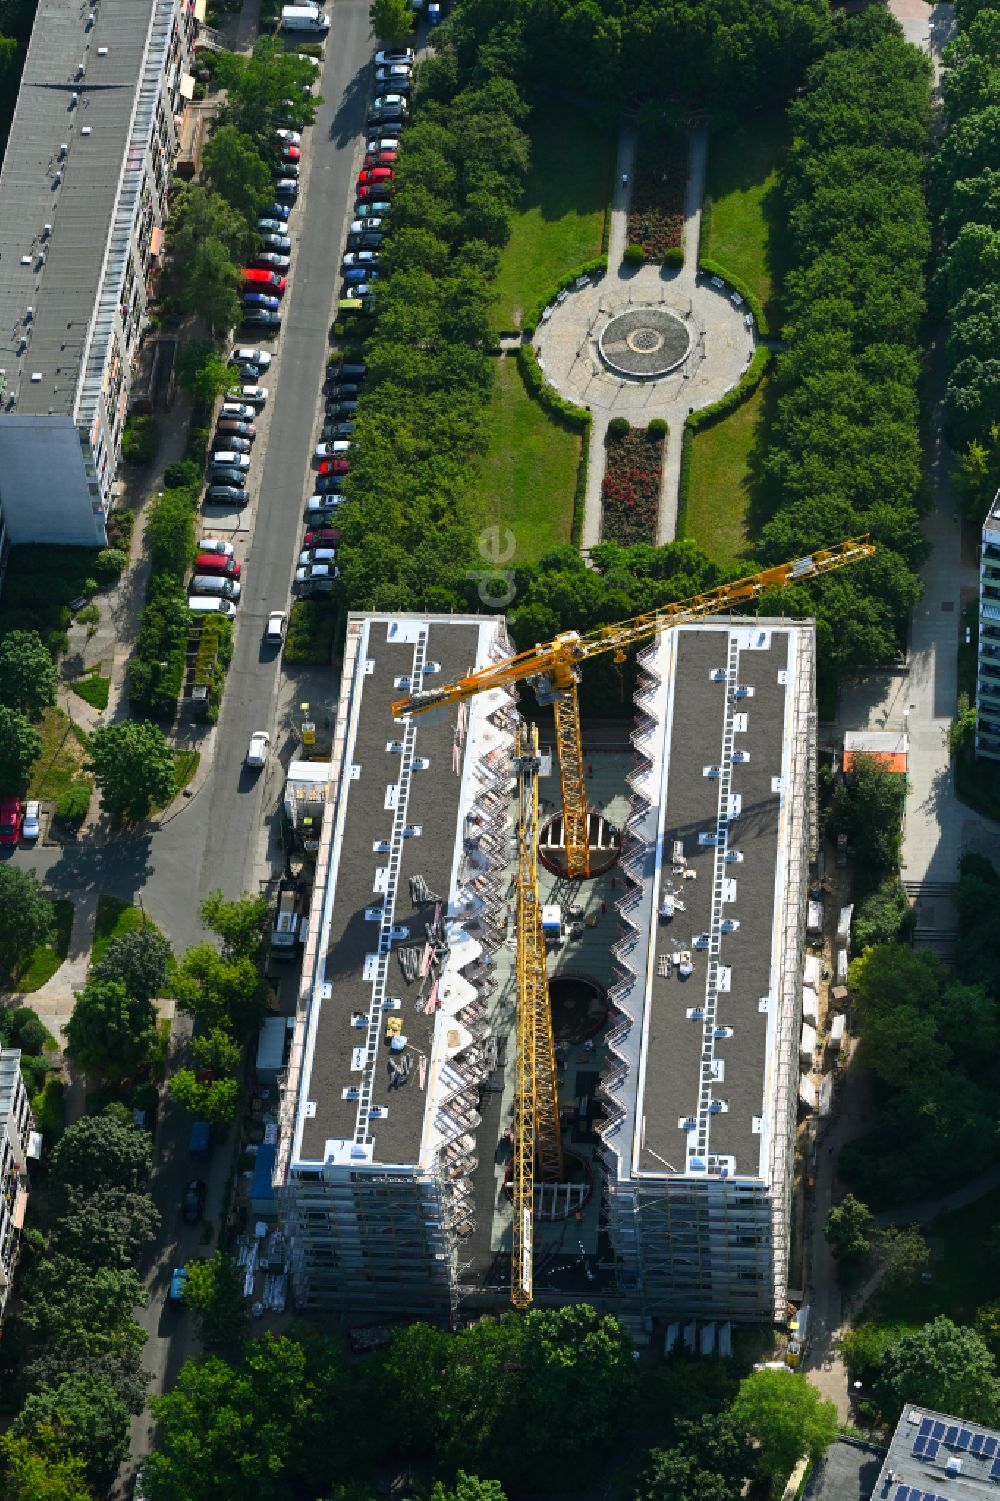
48	956
560	223
528	474
93	689
185	766
739	196
717	494
60	766
113	919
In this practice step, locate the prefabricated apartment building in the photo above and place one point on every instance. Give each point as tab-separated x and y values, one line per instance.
397	1031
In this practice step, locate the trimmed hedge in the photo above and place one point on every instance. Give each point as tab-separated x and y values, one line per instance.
580	494
163	632
713	268
707	416
596	267
674	256
312	628
215	651
683	486
566	412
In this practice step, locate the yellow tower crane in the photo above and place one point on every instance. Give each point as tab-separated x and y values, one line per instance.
553	670
536	1109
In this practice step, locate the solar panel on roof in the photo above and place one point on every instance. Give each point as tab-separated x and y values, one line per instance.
938	1430
952	1434
995	1470
933	1445
989	1446
978	1439
964	1437
925	1427
919	1447
902	1493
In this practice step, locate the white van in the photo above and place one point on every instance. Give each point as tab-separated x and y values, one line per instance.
304	18
204	604
207	583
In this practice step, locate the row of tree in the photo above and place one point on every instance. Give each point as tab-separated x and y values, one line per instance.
966	188
408	541
536	1403
72	1346
727	55
842	453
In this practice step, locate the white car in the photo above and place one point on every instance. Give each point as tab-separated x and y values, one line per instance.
260	744
216	544
237	410
393	73
361	258
317	555
245	356
274	631
335	450
290	137
255	395
393	55
32	824
322	505
228	458
316	576
359	226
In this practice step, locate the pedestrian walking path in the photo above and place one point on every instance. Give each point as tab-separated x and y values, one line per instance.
721	343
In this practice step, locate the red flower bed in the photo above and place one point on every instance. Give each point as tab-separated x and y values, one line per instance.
656	212
631	490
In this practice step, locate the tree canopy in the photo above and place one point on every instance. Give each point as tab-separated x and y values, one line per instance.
133	766
110	1032
787	1418
28	677
101	1151
141	959
944	1366
20	748
27	917
90	1416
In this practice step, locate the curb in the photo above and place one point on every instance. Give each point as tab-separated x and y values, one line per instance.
186	796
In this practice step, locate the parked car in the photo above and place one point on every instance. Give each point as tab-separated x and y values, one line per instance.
390	55
361	226
260	300
10	820
245	354
277	624
388	100
216	544
329	484
368	176
226	495
372	239
222	474
228	442
322	536
340	430
239	410
341	409
237	426
342	390
311	555
380	205
285	172
390	73
31	823
272	262
335	466
287	187
373	192
177	1281
360	258
322	505
254	396
264	278
379	141
270	226
229	458
352	369
290	137
262	318
331	450
223	564
273	241
260	743
193	1203
316	578
282	211
380	157
290	151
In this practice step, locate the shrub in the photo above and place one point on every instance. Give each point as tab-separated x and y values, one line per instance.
571	416
57	643
27	1030
49	1109
712	268
312	626
73	804
707	416
33	1072
634	255
170	532
182	474
618	427
593	269
120	526
89	615
197	447
673	255
164	627
657	429
110	562
140	440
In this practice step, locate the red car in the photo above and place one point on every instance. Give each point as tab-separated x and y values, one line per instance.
380	158
323	536
335	466
290	153
374	190
10	820
372	175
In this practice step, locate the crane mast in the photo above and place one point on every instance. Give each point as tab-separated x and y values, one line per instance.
537	1141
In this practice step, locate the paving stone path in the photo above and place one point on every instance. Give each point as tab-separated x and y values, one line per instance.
721	342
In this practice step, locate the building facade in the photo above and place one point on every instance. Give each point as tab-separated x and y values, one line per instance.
16	1146
83	200
988	674
701	1098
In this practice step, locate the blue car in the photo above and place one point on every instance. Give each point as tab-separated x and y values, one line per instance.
261	299
177	1282
279	211
354	276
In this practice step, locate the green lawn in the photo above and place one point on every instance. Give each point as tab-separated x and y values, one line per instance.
185	766
528	475
739	203
93	688
718	498
561	219
63	754
48	956
114	918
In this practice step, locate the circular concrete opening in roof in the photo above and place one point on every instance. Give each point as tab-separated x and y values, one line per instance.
579	1009
645	341
605	844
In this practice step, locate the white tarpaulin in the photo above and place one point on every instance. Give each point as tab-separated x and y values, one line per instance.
826	1094
842	966
812	971
844	925
807	1045
807	1092
810	1005
814	917
837	1031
